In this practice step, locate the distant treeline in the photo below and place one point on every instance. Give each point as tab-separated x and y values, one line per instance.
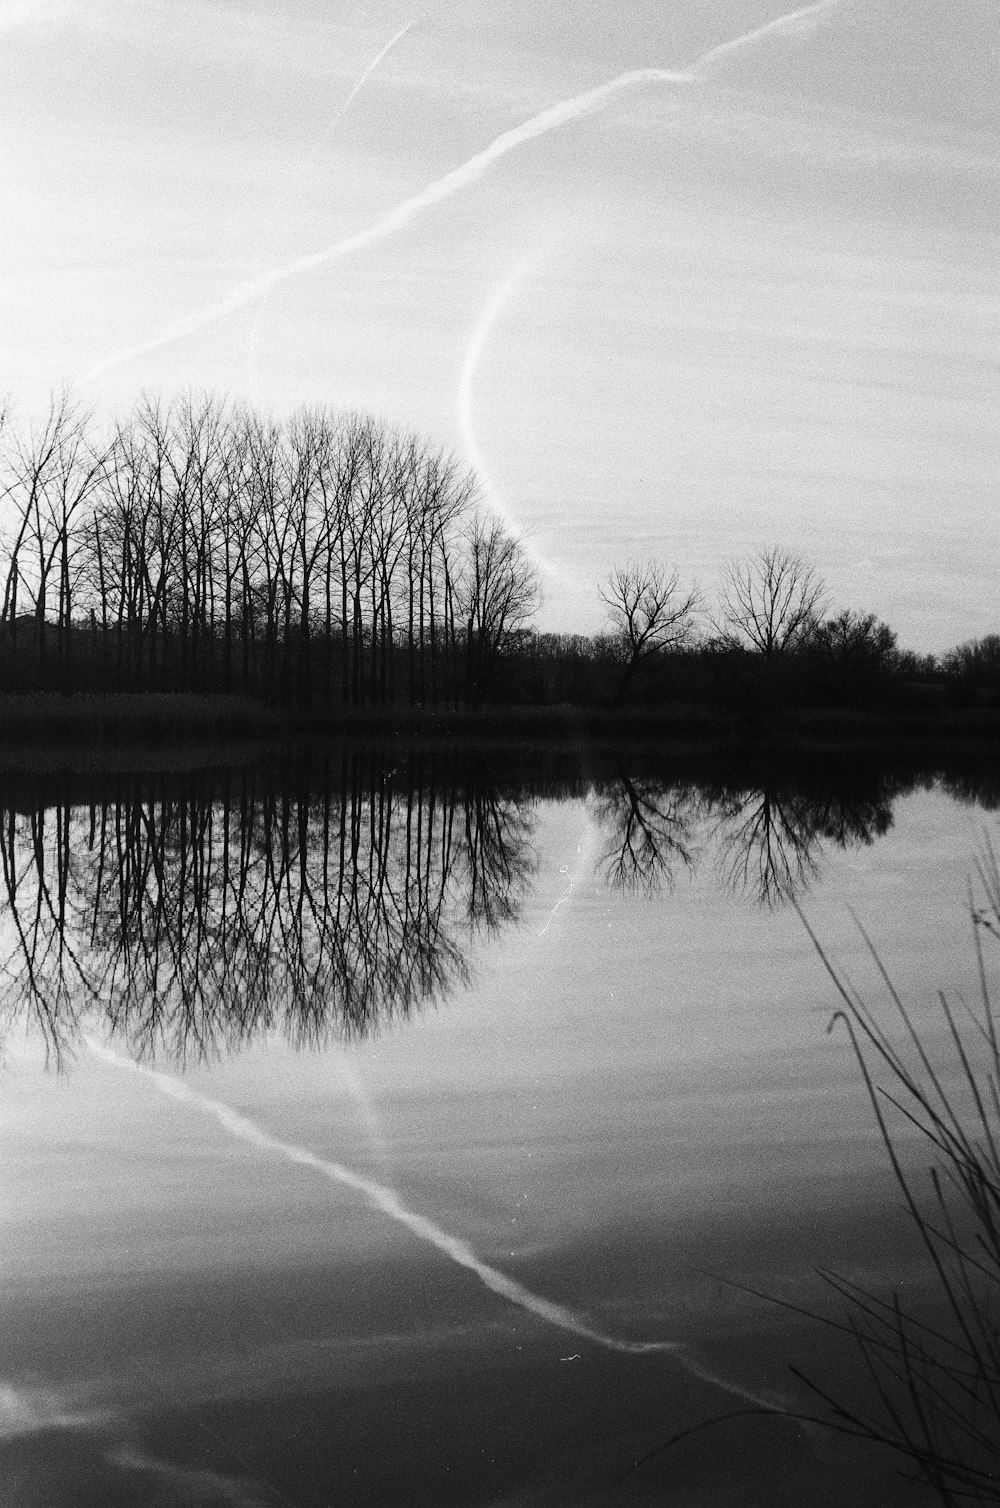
329	561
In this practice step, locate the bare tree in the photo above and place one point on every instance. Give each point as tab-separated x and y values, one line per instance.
649	612
853	653
498	596
769	603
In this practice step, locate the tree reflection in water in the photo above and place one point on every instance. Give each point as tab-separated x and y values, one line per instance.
192	915
769	837
329	894
650	829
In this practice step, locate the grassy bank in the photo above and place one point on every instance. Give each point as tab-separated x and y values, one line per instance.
177	716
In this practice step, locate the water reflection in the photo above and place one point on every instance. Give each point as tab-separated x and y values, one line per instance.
767	837
328	894
196	914
651	831
771	838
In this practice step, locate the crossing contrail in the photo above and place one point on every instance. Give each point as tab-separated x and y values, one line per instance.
253	342
460	178
396	219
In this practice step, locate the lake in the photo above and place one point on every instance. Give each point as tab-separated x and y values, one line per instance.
442	1126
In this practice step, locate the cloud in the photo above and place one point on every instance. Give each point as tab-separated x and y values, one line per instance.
27	1410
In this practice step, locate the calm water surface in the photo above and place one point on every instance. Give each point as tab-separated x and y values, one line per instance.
409	1128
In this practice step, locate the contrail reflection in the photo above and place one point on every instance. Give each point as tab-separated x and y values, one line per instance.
379	1197
387	1202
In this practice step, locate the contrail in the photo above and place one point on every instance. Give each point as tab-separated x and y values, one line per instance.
336	118
459	178
396	219
501	297
387	1202
797	21
363	78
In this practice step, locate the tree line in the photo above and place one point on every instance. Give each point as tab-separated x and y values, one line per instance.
329	560
770	639
196	545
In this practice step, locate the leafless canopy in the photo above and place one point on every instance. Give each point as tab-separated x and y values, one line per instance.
769	603
498	593
649	612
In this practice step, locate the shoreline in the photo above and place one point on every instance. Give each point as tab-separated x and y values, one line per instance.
161	730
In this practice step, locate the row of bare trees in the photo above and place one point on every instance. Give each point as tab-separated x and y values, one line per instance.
772	608
329	560
198	545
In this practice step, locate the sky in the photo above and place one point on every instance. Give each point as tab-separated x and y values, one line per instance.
679	280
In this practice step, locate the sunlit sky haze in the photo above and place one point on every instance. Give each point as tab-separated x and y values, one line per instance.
749	296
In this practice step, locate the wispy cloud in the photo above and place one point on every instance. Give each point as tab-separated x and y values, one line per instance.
193	1485
27	1410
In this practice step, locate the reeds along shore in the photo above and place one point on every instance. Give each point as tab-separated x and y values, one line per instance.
929	1379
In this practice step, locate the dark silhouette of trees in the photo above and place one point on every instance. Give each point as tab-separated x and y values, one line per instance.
330	561
50	475
498	592
975	662
200	546
649	613
850	655
770	603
